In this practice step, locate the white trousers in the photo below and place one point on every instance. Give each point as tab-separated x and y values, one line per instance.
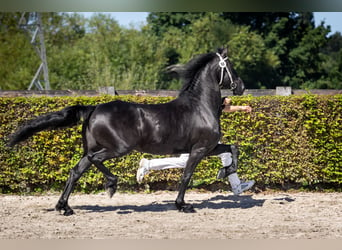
180	162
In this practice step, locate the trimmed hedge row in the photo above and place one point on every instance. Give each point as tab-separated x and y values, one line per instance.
284	142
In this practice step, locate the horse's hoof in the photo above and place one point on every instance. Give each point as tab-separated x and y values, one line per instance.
59	207
188	209
111	191
111	187
68	212
185	208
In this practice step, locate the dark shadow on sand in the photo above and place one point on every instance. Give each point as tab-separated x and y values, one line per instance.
217	202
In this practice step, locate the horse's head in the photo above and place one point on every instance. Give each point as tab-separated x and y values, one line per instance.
220	70
228	77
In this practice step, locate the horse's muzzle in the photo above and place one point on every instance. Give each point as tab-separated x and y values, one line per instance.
239	87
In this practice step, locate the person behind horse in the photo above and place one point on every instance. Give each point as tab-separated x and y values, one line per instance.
188	124
228	169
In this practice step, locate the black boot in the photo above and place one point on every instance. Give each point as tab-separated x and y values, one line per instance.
225	171
222	173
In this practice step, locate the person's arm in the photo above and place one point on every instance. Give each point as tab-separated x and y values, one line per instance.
228	108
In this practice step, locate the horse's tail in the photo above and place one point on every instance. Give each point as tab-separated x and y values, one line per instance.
66	117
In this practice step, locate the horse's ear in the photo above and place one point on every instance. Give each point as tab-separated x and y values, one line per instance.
224	52
174	70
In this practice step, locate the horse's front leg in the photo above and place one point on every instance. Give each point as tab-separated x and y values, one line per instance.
194	158
223	148
75	174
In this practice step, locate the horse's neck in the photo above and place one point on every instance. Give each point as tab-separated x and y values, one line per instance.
210	93
204	92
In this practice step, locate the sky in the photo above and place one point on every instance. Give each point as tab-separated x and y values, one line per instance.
125	18
334	19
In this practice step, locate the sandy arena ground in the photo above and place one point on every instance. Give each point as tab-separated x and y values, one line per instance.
154	216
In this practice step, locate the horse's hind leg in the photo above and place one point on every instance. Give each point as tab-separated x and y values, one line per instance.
97	159
112	180
75	174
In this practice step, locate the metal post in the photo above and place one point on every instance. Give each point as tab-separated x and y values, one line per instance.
32	25
43	53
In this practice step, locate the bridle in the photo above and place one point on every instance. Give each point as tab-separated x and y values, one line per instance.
223	66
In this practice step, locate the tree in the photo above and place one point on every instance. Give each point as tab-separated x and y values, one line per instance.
124	58
201	36
18	60
255	63
277	41
306	59
332	65
260	22
160	22
267	49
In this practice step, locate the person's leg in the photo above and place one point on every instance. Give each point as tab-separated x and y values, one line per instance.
145	165
227	165
230	170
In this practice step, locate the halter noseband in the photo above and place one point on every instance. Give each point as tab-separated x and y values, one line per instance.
223	66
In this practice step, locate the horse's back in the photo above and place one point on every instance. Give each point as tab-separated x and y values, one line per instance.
153	128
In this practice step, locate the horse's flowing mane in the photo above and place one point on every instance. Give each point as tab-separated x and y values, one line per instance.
187	72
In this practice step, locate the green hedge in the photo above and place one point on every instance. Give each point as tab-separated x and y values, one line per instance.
285	142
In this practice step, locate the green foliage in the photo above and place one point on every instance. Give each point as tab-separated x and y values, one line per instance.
284	141
252	59
14	49
307	58
289	139
268	49
162	22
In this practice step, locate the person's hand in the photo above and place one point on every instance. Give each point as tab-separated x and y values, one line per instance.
248	109
227	101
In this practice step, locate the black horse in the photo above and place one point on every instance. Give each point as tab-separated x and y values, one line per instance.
188	124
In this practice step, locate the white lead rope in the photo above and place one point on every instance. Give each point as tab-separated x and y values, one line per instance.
223	65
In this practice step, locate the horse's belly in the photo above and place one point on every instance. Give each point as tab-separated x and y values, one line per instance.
161	148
